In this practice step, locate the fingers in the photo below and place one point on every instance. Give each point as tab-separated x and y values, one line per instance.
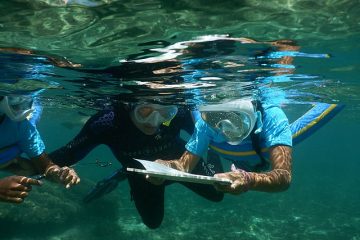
14	196
52	170
20	187
17	194
69	177
71	180
154	180
163	162
29	181
24	183
221	175
232	189
15	189
74	181
65	175
236	186
11	199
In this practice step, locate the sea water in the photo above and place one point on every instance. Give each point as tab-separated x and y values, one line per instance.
323	200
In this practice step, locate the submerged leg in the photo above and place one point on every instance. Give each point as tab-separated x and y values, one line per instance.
149	200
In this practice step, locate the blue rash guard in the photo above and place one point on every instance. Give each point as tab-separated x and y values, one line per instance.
275	131
17	138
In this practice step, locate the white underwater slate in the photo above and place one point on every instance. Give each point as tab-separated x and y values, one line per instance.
154	169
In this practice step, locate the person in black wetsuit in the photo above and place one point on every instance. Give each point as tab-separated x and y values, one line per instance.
146	131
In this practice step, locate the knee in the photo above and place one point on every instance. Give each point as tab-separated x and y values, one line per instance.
217	197
152	223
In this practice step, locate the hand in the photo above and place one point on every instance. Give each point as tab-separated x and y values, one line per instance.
156	180
240	181
65	175
15	189
165	163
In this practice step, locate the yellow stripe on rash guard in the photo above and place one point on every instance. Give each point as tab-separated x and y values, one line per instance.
240	154
315	121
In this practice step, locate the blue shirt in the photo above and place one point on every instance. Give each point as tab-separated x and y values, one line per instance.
22	134
275	131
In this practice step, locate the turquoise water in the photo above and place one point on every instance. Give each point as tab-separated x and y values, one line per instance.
323	201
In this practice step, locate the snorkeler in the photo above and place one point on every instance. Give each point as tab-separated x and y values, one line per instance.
19	135
239	123
142	130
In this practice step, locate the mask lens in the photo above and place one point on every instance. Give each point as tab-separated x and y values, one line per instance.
234	125
143	111
20	104
151	112
167	112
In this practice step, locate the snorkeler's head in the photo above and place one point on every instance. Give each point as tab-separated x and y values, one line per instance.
235	119
16	107
148	116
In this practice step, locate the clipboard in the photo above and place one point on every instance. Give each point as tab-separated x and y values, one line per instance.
154	169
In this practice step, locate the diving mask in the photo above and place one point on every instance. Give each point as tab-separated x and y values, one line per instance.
235	120
17	107
154	114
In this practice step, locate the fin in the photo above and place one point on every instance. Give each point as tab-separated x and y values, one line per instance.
105	186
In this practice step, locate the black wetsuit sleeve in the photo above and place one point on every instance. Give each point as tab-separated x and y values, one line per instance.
91	135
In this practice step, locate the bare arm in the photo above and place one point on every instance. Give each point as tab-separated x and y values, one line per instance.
65	175
279	178
276	180
42	163
185	163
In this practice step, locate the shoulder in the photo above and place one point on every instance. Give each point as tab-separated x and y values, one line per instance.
104	118
273	112
100	123
276	128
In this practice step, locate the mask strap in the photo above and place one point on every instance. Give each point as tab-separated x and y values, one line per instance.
259	122
264	164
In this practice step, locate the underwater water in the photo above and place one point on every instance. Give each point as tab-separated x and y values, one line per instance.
323	200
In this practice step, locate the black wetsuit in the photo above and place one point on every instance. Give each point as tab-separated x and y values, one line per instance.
115	129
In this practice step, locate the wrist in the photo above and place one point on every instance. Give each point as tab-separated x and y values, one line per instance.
250	180
175	164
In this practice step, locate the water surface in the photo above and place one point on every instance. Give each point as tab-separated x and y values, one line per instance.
322	202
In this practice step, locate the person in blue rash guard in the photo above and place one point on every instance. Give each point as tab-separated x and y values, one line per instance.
18	135
238	123
145	131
